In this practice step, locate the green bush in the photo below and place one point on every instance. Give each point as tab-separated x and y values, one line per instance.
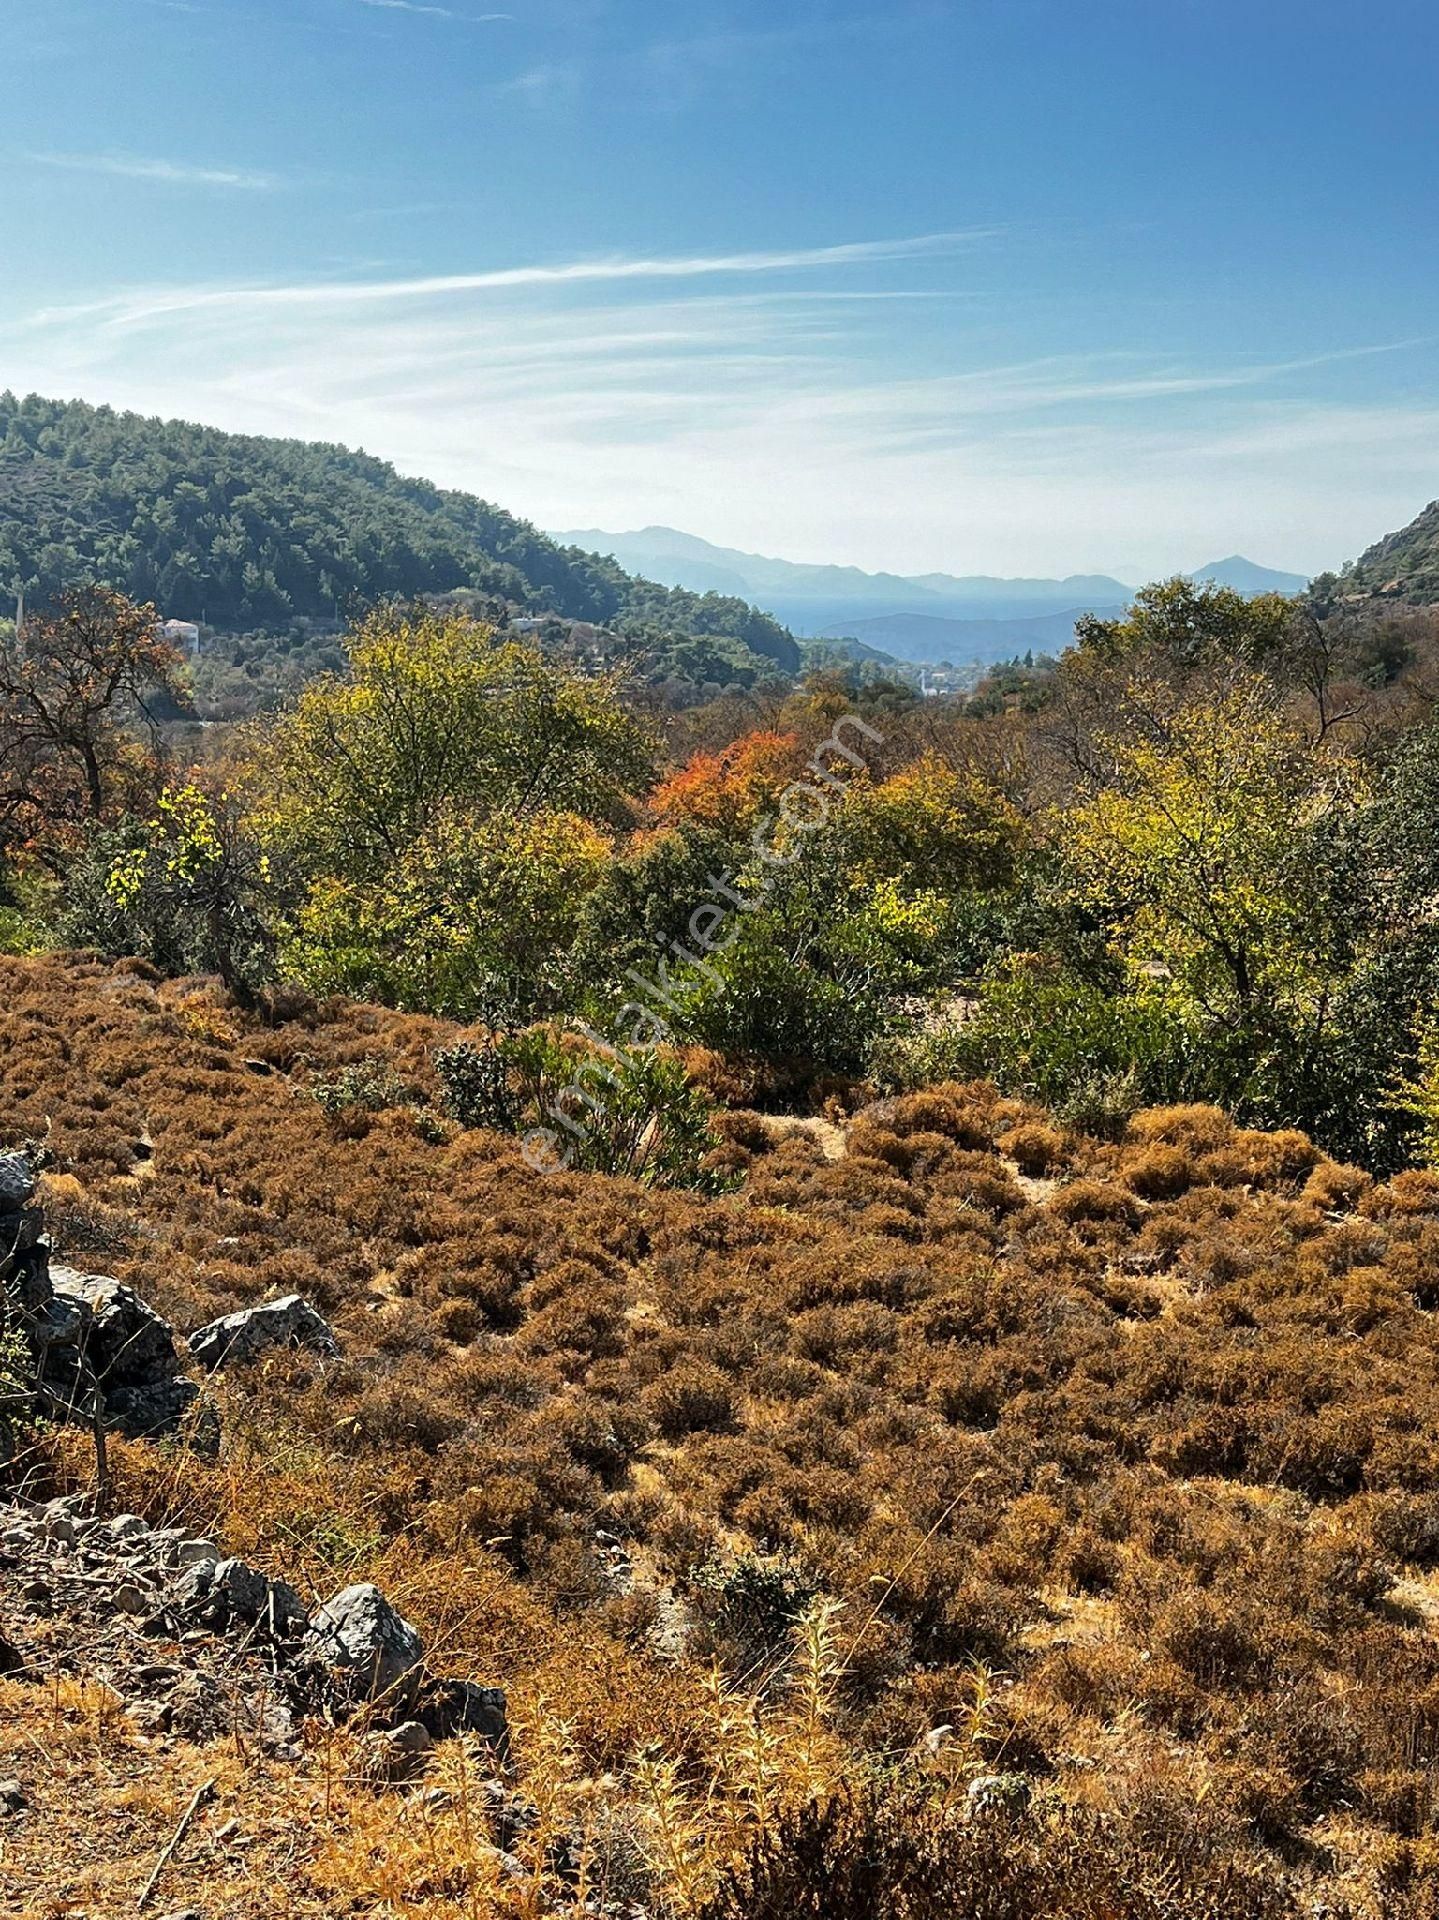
622	1112
477	1085
371	1085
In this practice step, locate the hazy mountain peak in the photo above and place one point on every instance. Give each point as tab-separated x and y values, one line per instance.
983	615
1247	576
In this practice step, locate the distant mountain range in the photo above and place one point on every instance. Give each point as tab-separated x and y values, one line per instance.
925	617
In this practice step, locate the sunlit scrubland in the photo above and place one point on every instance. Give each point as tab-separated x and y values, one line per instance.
960	1435
1101	1472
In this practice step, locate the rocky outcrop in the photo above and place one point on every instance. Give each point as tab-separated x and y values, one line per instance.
224	1593
107	1599
123	1338
97	1351
364	1644
197	1643
24	1256
18	1177
96	1326
242	1337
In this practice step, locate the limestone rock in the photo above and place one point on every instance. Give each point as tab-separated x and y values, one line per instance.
220	1592
124	1341
450	1707
91	1325
241	1337
18	1180
359	1636
1007	1793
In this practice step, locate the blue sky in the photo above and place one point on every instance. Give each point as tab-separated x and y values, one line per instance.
1004	286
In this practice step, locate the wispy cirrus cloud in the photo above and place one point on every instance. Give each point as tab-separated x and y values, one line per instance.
677	70
180	173
149	305
818	397
435	12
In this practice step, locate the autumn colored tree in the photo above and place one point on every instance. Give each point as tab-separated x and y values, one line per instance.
80	687
933	826
438	714
188	888
733	789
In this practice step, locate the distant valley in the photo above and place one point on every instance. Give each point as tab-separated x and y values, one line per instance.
924	618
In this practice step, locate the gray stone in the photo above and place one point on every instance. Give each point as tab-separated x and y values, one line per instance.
72	1505
160	1406
359	1636
221	1591
23	1235
59	1323
400	1753
89	1326
450	1707
242	1337
124	1341
19	1177
1008	1793
13	1797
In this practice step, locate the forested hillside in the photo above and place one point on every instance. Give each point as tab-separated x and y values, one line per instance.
1406	561
245	533
868	1261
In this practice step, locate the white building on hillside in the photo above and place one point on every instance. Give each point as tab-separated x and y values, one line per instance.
183	634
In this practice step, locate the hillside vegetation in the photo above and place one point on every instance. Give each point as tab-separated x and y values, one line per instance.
247	533
1102	1475
879	1258
1405	563
1192	861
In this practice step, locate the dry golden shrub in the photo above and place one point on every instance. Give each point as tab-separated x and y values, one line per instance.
1185	1406
1036	1149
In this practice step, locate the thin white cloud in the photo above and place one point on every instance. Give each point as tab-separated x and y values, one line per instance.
542	85
151	305
435	13
778	413
180	173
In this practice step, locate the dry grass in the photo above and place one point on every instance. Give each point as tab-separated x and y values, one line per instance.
1185	1386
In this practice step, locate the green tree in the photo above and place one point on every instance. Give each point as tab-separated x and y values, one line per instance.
1191	623
1205	925
438	714
477	918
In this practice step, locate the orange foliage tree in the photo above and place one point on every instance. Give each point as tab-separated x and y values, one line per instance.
734	788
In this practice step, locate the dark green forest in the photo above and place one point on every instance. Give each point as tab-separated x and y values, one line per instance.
246	534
